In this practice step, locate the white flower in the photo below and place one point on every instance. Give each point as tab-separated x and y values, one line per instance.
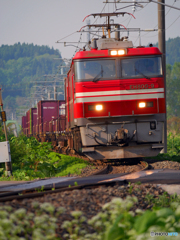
106	206
47	207
66	224
117	201
35	204
3	214
8	208
98	224
139	211
132	213
61	210
76	214
20	213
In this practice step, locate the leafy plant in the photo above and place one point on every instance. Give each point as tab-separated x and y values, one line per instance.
32	159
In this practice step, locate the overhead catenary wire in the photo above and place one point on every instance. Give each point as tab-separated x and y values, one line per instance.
157	25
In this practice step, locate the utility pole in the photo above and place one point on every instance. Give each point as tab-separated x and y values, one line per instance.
162	48
7	164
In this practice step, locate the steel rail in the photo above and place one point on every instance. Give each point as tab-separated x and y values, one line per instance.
9	196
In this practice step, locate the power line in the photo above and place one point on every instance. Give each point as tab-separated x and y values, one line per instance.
173	22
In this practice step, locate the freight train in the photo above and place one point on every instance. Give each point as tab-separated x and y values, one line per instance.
114	101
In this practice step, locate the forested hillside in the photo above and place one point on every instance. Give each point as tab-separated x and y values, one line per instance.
172	50
20	64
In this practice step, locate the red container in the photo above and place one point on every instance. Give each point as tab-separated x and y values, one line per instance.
31	117
24	124
48	112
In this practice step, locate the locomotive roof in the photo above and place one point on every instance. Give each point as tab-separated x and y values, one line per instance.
139	51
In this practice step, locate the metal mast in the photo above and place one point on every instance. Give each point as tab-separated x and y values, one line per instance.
162	48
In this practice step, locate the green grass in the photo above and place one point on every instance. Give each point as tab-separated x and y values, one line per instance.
33	160
173	149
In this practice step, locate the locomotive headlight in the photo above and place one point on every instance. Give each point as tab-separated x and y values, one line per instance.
99	107
121	52
142	104
113	52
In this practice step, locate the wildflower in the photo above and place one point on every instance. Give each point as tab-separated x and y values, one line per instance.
139	211
20	213
61	210
106	206
30	216
74	221
8	208
35	204
6	224
3	214
39	220
83	219
177	212
129	204
47	207
37	234
98	224
66	235
76	230
83	232
132	213
66	224
117	201
76	214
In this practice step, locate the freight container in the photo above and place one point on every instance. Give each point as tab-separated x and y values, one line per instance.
24	124
48	112
31	116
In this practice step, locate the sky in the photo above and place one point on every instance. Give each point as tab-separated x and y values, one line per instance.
44	22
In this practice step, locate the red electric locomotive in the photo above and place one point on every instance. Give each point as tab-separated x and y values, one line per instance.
115	100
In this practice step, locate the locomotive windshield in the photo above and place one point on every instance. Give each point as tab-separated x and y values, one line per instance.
105	69
141	67
95	70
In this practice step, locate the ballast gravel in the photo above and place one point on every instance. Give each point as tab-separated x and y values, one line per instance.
90	201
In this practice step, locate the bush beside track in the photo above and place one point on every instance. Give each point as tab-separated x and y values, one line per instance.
32	159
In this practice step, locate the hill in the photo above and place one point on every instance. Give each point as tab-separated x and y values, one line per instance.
20	64
172	50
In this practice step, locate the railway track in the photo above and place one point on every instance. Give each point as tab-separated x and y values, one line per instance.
53	188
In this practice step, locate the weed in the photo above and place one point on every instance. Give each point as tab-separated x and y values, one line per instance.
40	190
130	188
138	183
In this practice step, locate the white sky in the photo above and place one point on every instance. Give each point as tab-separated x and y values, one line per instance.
43	22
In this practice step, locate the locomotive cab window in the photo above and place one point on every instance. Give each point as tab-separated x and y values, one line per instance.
95	70
141	67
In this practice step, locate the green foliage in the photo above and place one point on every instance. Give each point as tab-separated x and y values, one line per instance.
173	89
20	64
117	221
172	50
20	224
173	149
31	160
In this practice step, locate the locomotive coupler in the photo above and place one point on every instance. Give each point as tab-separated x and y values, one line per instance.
121	135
